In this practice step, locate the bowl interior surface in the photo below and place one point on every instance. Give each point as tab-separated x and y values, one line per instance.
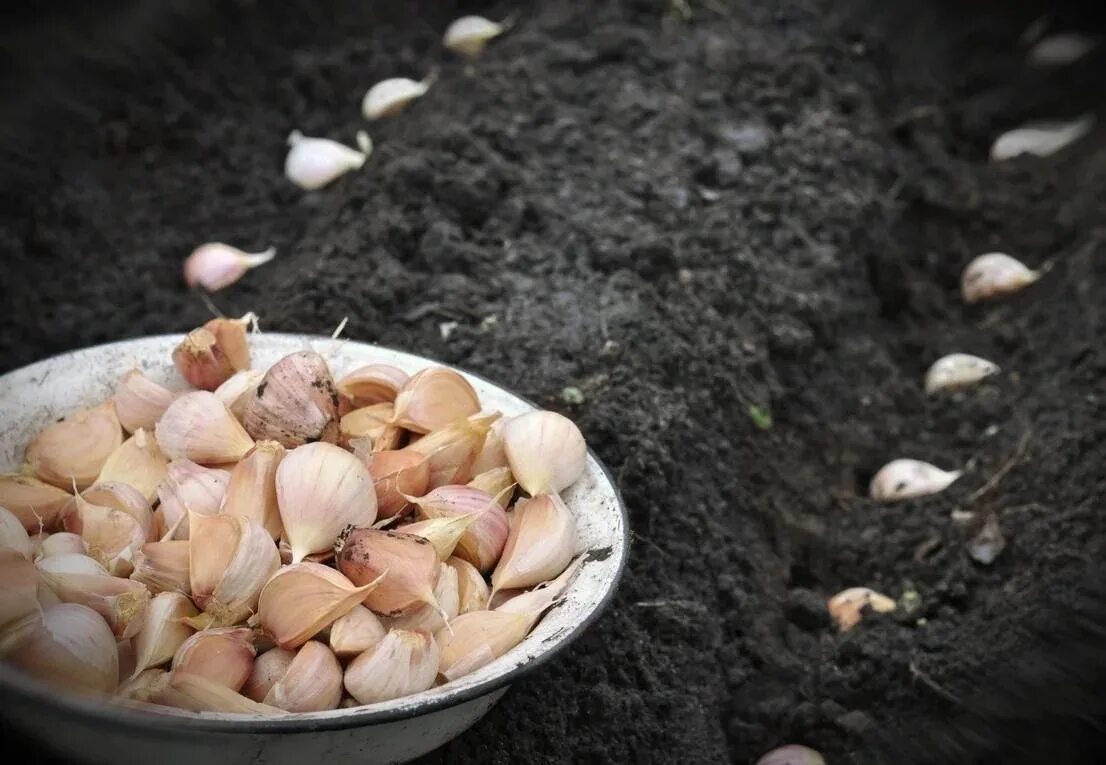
36	395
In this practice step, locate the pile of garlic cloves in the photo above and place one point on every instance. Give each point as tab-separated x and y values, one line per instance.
281	541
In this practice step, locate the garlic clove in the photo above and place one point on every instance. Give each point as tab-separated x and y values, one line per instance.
139	463
906	478
223	656
126	499
792	754
163	567
469	35
72	649
237	391
18	591
995	275
1042	139
434	398
190	488
472	591
367	422
494	454
198	427
62	543
230	560
163	630
215	265
956	371
267	669
322	489
543	596
75	449
113	536
540	544
140	402
496	482
478	638
37	505
452	450
142	686
408	564
303	599
311	683
315	162
546	451
397	475
442	532
13	536
847	607
402	663
76	578
372	384
251	492
296	402
356	632
232	340
212	354
483	542
425	618
199	694
1061	49
389	97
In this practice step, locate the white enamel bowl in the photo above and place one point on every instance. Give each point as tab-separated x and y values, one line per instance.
395	731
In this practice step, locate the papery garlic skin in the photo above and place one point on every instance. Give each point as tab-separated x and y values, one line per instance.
426	618
313	163
311	683
546	451
13	536
434	398
296	403
140	402
472	590
356	632
478	638
408	566
230	560
163	567
267	669
995	275
452	450
190	488
443	533
792	754
847	607
223	656
494	454
389	97
139	463
1040	139
36	504
540	545
73	649
251	492
372	384
203	361
198	427
73	451
907	478
956	371
401	664
469	35
215	265
163	630
303	599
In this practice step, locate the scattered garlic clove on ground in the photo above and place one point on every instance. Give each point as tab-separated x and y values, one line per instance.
190	488
74	450
356	632
305	598
792	754
139	463
434	398
295	403
71	649
215	266
389	97
540	545
372	384
139	401
251	491
35	503
995	275
407	564
197	426
956	371
847	607
401	664
469	35
312	163
311	683
546	451
907	478
472	591
13	536
1061	48
162	632
230	560
267	669
223	656
1040	139
163	567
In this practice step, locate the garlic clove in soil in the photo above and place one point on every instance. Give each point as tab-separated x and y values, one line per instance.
907	478
442	532
372	384
140	402
62	543
995	275
126	499
36	504
13	536
230	560
426	618
199	694
72	649
313	163
388	98
452	450
296	402
238	390
113	536
408	565
76	578
847	607
322	489
356	632
311	683
251	492
540	545
267	669
1061	49
472	591
215	265
163	630
792	754
190	488
434	398
544	595
74	450
546	451
1040	139
163	567
469	35
478	638
497	482
483	542
401	664
956	371
198	427
139	463
223	656
396	476
305	598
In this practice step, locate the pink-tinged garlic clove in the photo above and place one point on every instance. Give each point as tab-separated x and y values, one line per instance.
140	402
408	564
214	266
546	451
401	664
198	427
433	399
73	451
372	384
296	403
907	478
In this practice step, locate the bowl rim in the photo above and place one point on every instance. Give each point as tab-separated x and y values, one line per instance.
13	680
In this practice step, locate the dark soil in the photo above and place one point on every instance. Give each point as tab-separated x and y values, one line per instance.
763	208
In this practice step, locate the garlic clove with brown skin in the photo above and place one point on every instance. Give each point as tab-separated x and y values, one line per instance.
401	664
296	402
126	499
313	163
956	371
232	340
907	478
267	669
113	536
497	482
370	422
372	384
215	266
544	595
390	97
408	564
13	536
139	463
493	455
847	607
305	598
322	489
546	451
76	578
995	275
72	649
238	390
472	591
251	492
397	475
443	532
483	542
478	638
356	632
230	560
18	593
311	683
469	35
426	618
74	450
36	504
163	630
540	545
223	656
140	402
163	567
202	361
198	427
199	694
452	450
62	543
190	488
434	398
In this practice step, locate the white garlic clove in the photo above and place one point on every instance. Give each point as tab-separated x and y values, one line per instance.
251	492
311	683
434	398
906	478
113	536
296	403
72	649
215	265
401	664
74	450
198	427
223	656
478	638
1061	49
472	590
190	488
389	97
126	499
199	694
76	578
267	669
426	618
36	504
1040	139
230	560
407	565
544	595
372	384
995	275
546	451
956	371
163	630
238	390
483	542
847	607
792	754
540	545
356	632
315	162
452	450
469	35
140	402
305	598
13	536
163	567
62	543
139	463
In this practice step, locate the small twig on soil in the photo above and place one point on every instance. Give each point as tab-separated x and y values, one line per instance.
932	684
692	604
917	113
649	542
210	305
1005	468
